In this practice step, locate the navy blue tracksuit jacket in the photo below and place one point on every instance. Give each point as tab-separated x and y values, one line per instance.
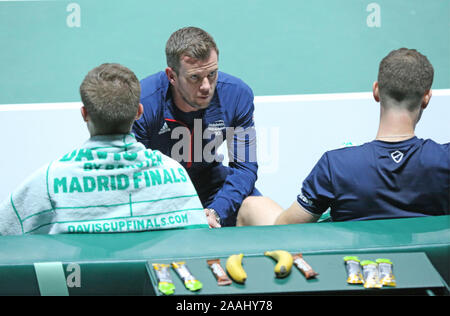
229	118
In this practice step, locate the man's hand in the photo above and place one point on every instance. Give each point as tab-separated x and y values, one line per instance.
211	217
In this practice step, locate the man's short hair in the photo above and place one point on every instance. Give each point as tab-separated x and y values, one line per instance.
405	75
110	94
188	41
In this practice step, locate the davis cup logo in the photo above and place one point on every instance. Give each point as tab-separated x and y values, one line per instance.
397	156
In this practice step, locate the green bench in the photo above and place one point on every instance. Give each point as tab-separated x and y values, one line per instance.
116	263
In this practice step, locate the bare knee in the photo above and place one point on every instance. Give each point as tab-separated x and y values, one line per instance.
258	210
245	211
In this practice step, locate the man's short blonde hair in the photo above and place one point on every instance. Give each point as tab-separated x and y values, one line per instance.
110	93
189	41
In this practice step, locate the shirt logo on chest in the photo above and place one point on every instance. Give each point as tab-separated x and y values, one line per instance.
164	129
397	156
216	127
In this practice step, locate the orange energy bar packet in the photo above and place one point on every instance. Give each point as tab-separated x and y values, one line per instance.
303	266
219	273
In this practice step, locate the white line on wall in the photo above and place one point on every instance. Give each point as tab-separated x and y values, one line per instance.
258	99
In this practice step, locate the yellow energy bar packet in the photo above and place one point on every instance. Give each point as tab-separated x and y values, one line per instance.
190	282
385	269
371	275
165	283
354	275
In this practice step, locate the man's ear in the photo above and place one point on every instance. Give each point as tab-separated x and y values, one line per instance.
171	75
426	99
84	114
140	112
376	92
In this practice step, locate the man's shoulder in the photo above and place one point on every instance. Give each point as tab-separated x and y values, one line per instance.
235	95
429	143
434	153
347	149
153	85
35	182
231	83
350	155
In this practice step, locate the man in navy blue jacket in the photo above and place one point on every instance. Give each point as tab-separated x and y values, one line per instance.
189	111
396	175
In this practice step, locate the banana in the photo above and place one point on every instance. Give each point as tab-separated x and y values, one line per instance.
284	262
235	269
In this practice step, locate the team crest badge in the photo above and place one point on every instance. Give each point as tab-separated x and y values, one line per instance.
397	156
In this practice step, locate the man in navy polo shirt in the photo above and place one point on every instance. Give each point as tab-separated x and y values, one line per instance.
397	175
192	108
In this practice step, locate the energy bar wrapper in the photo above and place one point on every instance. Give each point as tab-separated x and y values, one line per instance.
219	272
303	266
385	269
354	275
190	282
165	283
371	275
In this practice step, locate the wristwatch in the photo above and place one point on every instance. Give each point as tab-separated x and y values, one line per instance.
213	212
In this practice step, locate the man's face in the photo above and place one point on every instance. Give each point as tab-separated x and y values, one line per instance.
195	83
